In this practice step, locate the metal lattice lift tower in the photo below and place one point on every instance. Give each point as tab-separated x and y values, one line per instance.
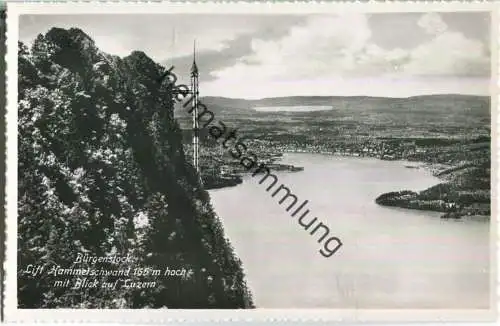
194	103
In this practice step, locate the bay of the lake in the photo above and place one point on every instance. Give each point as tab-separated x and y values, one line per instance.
390	258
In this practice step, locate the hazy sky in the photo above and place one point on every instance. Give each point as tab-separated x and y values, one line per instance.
252	56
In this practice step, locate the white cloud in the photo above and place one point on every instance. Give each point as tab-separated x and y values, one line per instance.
154	34
321	46
432	23
167	46
329	53
449	53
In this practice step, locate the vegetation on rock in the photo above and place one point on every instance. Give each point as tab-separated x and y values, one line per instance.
465	189
102	172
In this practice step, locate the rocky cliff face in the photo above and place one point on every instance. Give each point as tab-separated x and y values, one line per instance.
102	172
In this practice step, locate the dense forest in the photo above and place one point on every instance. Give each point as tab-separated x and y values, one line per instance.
102	172
465	189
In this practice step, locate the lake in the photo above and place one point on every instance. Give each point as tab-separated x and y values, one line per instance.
390	258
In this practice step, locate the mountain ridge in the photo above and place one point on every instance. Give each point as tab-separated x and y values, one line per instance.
226	104
102	171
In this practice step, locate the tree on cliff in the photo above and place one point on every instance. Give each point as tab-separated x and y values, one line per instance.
102	172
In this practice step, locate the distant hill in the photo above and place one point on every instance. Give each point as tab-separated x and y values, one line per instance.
449	96
419	103
225	102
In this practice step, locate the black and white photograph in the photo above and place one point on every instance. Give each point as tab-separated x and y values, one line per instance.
331	159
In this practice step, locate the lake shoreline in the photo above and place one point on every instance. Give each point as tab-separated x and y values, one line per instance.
408	199
428	256
434	168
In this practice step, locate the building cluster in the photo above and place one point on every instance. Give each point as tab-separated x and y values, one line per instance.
387	150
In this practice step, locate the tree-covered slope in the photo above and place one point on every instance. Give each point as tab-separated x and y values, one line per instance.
465	190
102	172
